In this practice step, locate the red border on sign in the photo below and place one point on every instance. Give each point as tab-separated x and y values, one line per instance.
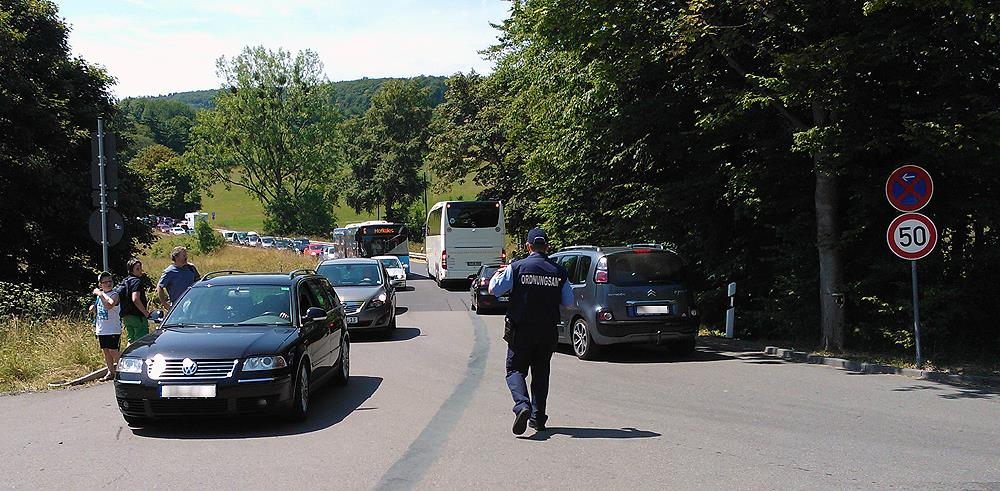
894	176
931	240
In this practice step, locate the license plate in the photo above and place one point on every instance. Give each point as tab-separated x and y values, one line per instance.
504	299
187	391
352	320
474	263
652	309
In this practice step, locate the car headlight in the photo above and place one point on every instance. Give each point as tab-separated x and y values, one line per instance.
268	362
130	365
377	301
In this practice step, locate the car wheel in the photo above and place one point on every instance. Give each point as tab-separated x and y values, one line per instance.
300	401
344	373
683	347
583	342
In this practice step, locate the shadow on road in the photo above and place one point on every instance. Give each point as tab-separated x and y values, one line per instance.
330	406
397	334
960	391
649	354
610	433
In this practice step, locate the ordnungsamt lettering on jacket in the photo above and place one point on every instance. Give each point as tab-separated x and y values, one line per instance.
539	280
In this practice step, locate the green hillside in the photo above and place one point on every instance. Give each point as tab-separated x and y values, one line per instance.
236	210
351	96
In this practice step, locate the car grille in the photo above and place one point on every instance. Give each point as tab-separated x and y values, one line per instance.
183	407
207	370
351	307
131	407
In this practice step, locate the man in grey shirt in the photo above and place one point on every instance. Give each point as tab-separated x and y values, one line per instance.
176	278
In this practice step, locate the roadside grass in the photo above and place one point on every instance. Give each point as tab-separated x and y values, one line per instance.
34	352
236	210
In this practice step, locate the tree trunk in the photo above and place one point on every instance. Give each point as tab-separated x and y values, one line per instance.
831	266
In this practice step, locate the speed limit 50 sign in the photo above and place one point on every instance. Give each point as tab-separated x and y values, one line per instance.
912	236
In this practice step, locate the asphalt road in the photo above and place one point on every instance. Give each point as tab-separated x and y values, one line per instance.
429	409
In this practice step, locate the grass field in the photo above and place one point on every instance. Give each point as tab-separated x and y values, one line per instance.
34	353
236	210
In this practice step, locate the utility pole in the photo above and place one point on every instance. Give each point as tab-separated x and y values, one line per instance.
104	191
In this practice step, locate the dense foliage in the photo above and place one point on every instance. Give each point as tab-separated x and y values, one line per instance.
755	137
49	105
172	188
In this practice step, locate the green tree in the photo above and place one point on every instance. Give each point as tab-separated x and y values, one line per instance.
386	150
49	104
274	133
172	188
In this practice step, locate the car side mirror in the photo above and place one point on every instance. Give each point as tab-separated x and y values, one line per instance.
156	316
315	314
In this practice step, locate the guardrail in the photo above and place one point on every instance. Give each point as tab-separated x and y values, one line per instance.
418	256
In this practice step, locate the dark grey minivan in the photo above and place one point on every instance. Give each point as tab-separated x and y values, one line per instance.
636	294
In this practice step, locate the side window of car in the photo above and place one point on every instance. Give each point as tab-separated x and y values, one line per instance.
329	291
322	300
582	271
570	262
306	298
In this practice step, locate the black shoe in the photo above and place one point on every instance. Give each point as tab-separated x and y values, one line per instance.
521	421
536	425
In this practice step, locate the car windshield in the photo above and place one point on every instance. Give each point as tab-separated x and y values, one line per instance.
632	269
390	263
232	305
488	271
351	274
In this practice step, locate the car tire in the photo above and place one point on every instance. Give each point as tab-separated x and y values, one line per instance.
583	341
300	400
343	374
683	347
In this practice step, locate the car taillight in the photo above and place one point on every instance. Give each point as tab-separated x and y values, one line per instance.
605	315
642	251
444	259
503	255
483	282
601	275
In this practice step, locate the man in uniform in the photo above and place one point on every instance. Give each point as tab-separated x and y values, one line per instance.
537	287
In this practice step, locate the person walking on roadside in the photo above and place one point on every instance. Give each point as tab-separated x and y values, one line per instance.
537	287
134	303
107	321
176	278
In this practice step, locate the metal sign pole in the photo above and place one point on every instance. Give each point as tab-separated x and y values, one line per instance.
104	192
731	312
916	312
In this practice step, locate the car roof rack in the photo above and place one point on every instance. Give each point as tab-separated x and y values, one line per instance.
581	248
646	246
302	271
224	272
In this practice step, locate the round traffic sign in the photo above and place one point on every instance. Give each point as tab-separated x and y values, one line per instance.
912	236
116	226
909	188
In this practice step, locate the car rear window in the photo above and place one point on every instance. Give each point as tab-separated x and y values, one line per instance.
473	214
633	268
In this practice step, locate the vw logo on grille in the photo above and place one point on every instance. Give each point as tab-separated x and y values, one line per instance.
189	367
651	293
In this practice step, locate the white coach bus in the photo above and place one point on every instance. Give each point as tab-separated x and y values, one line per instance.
461	236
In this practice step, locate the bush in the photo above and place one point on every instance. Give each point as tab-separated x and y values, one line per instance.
208	239
24	300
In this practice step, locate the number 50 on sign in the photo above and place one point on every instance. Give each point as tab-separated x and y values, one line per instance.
912	236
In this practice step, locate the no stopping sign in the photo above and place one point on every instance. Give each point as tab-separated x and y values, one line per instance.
912	236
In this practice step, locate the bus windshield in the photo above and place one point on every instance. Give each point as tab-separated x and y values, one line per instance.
473	214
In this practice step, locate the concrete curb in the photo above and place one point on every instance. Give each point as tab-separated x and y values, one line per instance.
874	368
96	374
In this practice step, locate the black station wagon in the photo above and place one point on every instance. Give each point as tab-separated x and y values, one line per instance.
238	343
633	294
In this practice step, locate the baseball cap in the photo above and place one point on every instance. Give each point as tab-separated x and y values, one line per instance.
537	236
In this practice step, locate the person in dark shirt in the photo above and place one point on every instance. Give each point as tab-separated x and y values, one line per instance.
132	292
537	287
176	278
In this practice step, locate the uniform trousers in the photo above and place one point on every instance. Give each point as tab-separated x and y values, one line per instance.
524	354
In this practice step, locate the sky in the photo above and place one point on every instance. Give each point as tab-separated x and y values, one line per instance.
155	47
